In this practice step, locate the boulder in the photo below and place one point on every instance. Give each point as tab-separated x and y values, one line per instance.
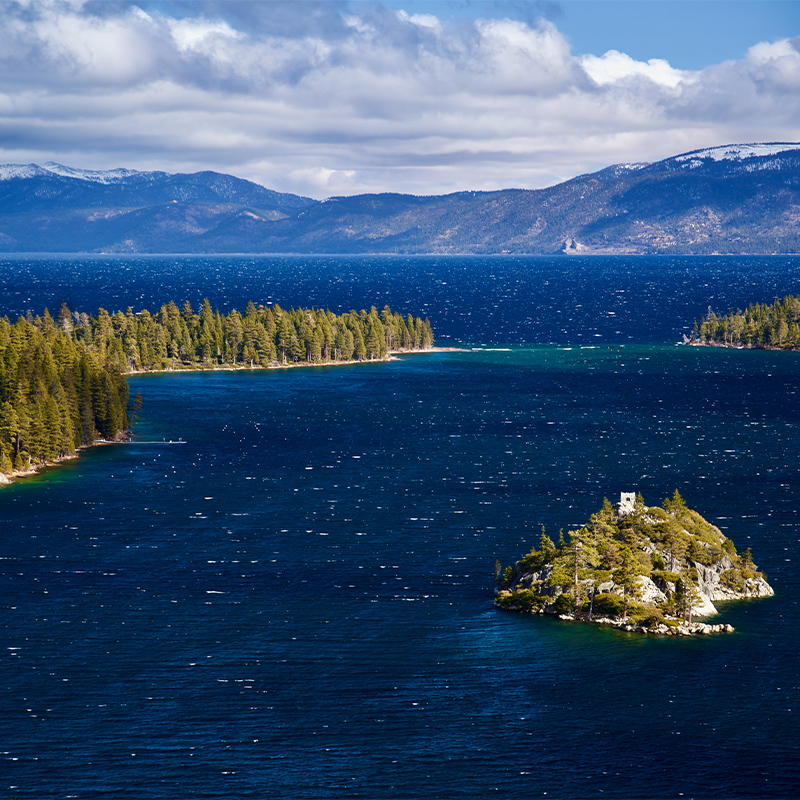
650	593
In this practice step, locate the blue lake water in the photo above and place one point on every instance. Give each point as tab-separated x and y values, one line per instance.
297	602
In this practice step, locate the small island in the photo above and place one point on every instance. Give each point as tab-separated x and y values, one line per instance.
760	326
644	569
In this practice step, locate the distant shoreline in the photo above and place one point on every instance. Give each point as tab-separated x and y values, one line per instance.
390	356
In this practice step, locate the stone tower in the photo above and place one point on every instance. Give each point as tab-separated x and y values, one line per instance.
626	503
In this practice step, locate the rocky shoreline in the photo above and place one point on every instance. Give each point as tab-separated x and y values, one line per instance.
679	629
748	346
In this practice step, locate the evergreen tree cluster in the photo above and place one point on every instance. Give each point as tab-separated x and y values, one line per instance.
174	338
598	569
55	394
775	326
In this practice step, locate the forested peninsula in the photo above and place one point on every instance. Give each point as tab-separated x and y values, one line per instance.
639	568
63	385
773	327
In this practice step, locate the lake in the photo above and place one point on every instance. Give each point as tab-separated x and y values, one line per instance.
297	601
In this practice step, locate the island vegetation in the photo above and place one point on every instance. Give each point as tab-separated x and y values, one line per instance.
63	385
263	336
637	567
761	325
55	395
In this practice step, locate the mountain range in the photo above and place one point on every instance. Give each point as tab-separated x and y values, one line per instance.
733	199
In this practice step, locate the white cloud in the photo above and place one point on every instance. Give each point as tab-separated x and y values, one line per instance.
94	50
615	66
423	20
202	36
323	98
776	64
325	182
769	52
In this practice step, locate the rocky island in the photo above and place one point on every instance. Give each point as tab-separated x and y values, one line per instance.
646	569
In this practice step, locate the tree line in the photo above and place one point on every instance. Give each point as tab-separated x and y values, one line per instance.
62	381
760	325
174	338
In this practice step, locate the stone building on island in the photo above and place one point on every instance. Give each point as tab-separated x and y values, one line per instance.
626	503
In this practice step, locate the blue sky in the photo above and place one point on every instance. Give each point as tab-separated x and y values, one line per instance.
690	34
329	97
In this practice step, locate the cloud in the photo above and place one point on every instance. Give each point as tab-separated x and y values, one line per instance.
775	65
614	67
323	98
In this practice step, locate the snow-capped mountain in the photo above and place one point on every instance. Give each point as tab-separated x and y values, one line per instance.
52	186
738	152
11	171
736	158
742	198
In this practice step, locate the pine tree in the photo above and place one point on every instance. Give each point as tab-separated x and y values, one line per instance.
583	556
686	598
65	319
360	349
675	505
627	576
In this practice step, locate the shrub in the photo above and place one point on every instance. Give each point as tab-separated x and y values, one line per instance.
564	603
751	574
637	611
609	605
697	552
651	617
532	601
702	529
733	579
664	576
715	553
729	547
523	600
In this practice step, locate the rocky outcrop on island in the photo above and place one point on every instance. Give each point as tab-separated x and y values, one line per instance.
640	568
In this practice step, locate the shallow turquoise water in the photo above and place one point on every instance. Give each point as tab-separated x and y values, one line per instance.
297	602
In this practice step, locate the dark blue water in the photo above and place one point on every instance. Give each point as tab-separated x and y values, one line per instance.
473	299
298	601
